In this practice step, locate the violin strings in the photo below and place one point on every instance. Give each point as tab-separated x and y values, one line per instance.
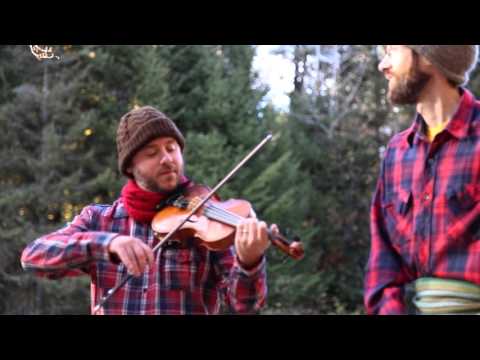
223	211
230	218
222	214
222	217
234	217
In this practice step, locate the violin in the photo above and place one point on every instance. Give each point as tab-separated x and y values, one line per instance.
213	224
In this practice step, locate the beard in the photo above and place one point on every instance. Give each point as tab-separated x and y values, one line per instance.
409	87
151	184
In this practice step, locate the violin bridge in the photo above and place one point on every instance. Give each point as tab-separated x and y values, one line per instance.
192	203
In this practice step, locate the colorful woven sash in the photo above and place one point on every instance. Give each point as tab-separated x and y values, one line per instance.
435	296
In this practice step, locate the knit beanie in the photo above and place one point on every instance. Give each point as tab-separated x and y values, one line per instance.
455	62
137	128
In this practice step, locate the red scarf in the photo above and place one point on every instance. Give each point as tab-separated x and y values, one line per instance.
142	204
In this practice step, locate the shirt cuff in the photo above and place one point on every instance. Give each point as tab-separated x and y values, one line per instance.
253	271
99	247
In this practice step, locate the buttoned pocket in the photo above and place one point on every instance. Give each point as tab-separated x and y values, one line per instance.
398	213
463	221
462	198
179	269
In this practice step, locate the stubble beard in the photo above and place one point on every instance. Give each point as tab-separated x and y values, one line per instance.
151	184
409	87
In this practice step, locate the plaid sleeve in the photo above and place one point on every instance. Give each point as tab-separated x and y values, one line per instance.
245	290
68	251
385	276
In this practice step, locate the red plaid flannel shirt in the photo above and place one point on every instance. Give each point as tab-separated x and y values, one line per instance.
425	217
186	280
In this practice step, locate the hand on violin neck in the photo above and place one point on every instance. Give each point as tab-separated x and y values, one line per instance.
132	252
251	241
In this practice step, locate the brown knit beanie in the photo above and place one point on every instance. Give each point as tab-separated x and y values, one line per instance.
137	128
455	62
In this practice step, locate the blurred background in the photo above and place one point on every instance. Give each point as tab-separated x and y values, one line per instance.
325	104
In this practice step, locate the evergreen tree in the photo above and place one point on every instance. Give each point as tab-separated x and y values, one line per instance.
334	120
56	158
59	154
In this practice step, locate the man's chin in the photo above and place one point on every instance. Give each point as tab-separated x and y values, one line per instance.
401	101
395	98
168	185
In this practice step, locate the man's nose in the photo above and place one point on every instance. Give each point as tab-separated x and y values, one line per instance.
383	65
166	157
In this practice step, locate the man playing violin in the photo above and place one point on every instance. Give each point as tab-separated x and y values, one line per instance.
108	242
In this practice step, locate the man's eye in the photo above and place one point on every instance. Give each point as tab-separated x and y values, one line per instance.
151	153
381	51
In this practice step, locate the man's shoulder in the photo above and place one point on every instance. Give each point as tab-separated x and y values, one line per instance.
476	114
114	210
400	139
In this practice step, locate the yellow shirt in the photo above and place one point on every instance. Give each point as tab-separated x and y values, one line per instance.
433	131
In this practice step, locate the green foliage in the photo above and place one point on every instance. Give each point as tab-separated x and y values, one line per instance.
56	157
59	152
315	179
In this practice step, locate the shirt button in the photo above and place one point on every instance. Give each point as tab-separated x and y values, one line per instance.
426	197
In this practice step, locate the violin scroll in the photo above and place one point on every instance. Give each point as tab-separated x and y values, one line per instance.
294	249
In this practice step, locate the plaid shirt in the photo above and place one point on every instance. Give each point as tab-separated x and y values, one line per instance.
425	217
184	280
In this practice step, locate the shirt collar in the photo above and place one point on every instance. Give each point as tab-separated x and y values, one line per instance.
458	126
